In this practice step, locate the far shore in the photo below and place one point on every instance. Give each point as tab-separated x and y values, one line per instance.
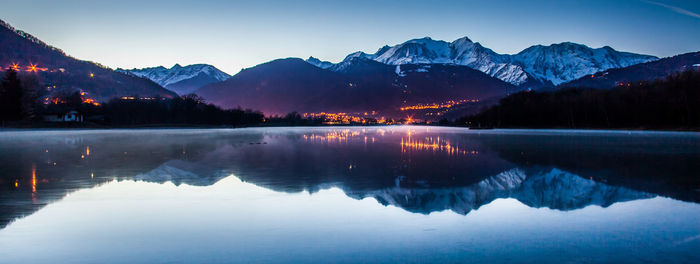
194	127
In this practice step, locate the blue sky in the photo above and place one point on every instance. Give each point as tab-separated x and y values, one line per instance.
237	34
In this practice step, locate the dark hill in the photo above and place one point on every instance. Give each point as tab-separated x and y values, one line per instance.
650	71
55	68
361	85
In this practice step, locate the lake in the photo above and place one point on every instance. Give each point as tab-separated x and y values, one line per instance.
395	194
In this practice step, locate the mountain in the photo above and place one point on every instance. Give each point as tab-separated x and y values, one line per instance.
182	80
554	189
318	63
641	72
358	84
534	67
53	67
568	61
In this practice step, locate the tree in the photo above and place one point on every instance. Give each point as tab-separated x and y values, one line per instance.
10	97
32	92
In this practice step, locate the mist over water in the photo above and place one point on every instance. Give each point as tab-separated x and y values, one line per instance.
349	194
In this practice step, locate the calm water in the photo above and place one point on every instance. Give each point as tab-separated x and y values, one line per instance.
348	195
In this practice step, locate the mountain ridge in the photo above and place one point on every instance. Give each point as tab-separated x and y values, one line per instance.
65	74
181	79
533	67
357	85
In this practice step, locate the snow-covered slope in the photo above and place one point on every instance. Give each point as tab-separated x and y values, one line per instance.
555	189
179	79
318	63
568	61
553	64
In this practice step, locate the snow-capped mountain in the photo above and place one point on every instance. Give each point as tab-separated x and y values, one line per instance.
554	189
179	79
318	63
568	61
552	64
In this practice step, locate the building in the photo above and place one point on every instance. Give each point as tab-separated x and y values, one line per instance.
66	117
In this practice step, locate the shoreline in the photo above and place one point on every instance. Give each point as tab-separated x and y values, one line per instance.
188	127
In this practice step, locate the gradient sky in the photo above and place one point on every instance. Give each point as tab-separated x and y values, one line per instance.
236	34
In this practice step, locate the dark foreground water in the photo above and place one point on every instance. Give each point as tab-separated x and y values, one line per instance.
349	195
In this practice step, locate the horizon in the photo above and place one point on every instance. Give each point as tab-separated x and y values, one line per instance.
219	33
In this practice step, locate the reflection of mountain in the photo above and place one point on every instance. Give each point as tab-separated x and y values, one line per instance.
553	189
437	168
182	172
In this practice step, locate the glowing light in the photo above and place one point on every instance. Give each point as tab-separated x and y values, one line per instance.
447	104
33	178
32	68
87	150
409	120
92	75
16	183
14	66
91	101
434	145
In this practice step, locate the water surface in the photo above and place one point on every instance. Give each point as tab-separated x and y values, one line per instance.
373	194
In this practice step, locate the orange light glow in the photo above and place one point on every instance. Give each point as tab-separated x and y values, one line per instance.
32	68
87	150
447	104
91	101
33	178
434	145
14	66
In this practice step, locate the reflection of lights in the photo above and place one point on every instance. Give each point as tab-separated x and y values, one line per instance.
92	175
16	183
430	144
87	151
332	136
33	178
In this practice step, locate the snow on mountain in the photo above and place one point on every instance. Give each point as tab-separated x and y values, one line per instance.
318	63
179	79
554	189
540	64
568	61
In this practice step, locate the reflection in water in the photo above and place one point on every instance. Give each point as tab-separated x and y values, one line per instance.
552	189
419	169
433	144
422	170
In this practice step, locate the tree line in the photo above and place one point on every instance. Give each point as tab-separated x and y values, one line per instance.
671	103
23	102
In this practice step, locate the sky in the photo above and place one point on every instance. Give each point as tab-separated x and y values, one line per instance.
232	35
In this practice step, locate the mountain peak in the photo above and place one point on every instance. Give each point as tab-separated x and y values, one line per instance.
535	66
182	79
318	63
462	40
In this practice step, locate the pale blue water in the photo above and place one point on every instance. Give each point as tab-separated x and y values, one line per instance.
348	195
